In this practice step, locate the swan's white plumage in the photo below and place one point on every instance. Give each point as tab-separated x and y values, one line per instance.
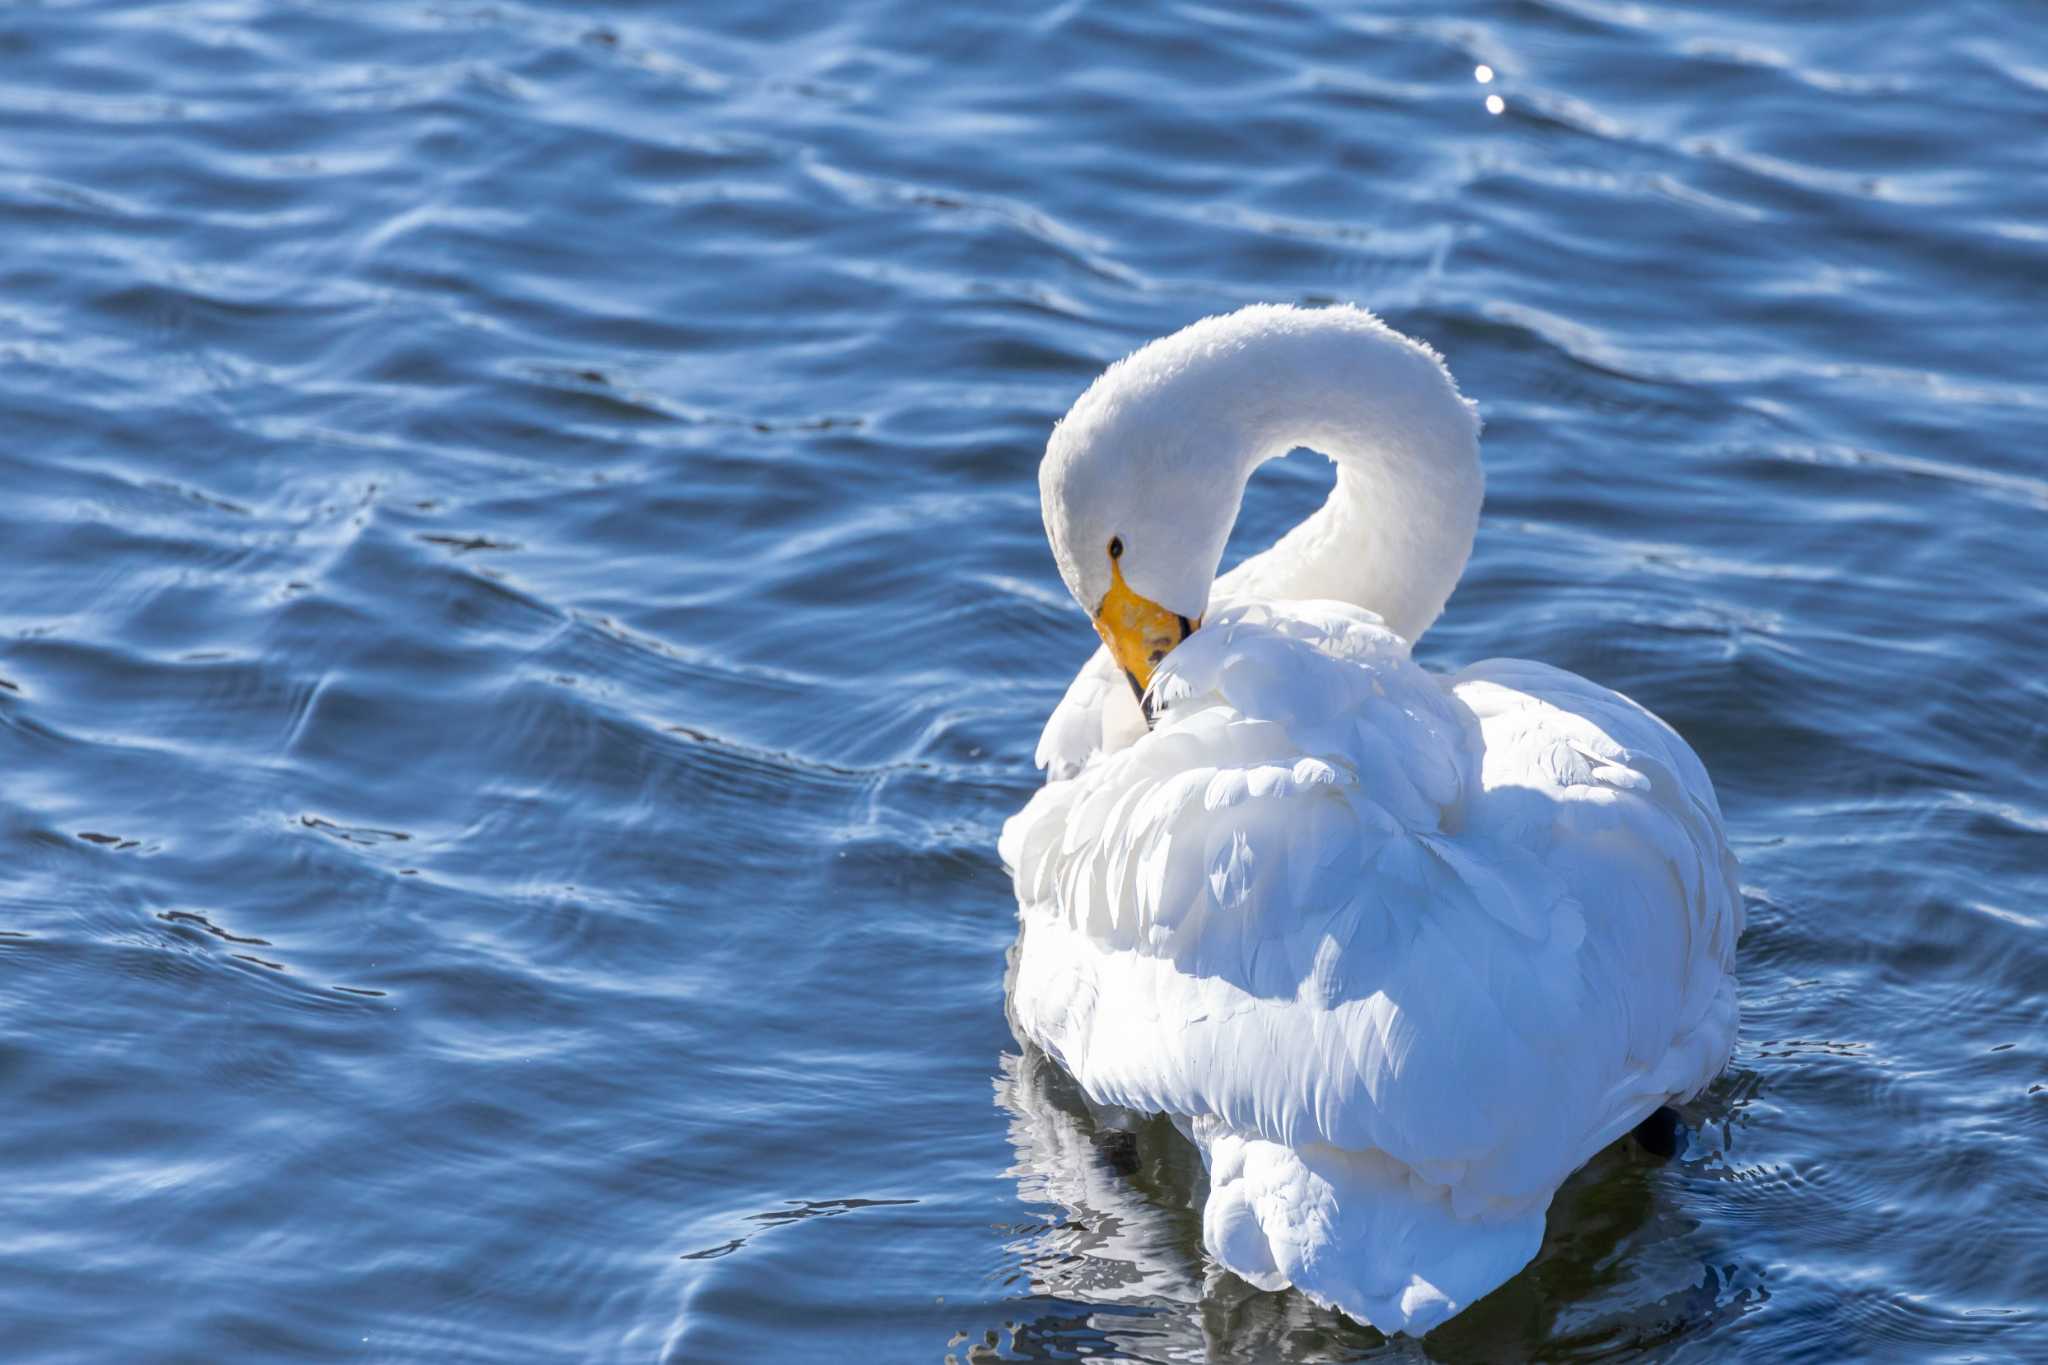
1400	951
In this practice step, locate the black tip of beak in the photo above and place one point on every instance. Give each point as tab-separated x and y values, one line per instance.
1146	702
1144	697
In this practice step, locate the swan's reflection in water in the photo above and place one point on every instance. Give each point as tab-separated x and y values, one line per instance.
1120	1256
1127	1184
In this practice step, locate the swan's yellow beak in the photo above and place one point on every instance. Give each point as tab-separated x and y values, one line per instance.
1139	632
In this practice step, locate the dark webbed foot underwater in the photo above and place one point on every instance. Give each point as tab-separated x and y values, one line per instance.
1659	1134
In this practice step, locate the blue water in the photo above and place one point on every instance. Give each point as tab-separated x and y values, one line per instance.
522	610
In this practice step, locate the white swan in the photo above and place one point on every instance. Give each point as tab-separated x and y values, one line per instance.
1399	952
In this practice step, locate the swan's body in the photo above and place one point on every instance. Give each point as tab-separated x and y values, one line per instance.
1399	952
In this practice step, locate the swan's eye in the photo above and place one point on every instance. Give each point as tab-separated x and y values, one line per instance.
1116	547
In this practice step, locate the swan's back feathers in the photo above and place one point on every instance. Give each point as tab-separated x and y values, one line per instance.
1428	929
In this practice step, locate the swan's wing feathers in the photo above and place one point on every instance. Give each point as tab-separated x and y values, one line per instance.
1286	743
1622	818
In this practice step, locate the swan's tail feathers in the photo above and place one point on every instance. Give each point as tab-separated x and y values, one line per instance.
1355	1231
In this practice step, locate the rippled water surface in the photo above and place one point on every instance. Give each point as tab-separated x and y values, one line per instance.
522	610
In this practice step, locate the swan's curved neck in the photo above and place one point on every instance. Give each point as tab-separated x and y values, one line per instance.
1395	533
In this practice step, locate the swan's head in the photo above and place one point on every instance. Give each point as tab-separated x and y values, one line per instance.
1138	506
